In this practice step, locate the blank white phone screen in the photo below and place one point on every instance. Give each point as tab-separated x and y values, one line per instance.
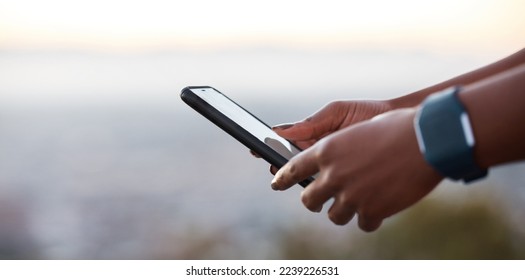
246	121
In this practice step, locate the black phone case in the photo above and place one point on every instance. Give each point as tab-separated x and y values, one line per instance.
233	128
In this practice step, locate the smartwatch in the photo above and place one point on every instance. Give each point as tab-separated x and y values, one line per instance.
445	136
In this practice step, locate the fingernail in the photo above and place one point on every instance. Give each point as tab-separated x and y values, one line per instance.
274	185
283	126
319	209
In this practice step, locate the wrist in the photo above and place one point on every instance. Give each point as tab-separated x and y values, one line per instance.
410	100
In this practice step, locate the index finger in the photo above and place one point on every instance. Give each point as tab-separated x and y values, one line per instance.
299	168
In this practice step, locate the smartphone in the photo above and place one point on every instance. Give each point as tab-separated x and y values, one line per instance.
241	124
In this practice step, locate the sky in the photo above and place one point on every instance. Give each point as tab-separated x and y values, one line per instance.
124	26
270	46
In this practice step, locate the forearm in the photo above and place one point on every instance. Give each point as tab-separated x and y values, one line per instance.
417	97
496	109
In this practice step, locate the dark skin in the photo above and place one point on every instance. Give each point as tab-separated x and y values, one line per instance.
366	152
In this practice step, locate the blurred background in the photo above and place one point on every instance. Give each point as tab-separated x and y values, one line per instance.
100	159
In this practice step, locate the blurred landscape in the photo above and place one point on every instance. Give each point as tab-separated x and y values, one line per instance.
100	159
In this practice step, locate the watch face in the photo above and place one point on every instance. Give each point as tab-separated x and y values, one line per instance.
442	134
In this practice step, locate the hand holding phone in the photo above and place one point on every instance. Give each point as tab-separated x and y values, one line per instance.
241	124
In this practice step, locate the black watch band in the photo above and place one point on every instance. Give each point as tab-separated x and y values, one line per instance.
445	136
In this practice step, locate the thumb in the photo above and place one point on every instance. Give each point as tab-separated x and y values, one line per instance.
318	125
300	131
310	129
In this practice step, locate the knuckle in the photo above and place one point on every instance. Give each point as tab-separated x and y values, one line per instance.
335	105
346	199
292	171
341	182
325	150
